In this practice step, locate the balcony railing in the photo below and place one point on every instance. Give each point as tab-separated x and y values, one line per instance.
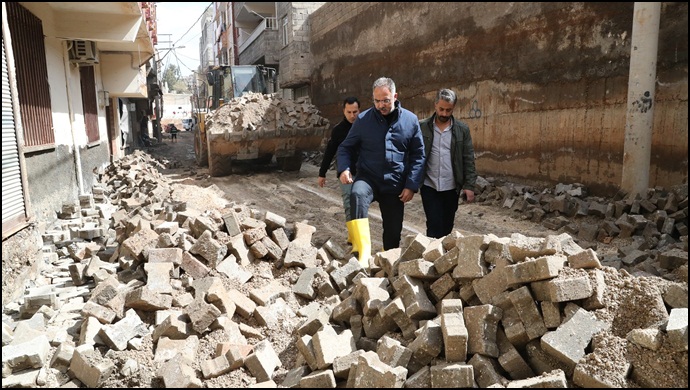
271	23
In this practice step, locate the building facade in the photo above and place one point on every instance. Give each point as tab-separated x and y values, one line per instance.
73	97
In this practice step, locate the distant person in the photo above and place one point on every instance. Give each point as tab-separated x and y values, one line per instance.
390	166
338	134
449	170
173	132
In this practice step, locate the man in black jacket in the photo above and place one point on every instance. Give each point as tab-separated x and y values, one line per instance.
338	134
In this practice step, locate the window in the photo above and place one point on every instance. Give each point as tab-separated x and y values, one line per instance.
32	76
285	30
89	102
301	92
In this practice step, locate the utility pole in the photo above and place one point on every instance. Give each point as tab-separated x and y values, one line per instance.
167	50
639	122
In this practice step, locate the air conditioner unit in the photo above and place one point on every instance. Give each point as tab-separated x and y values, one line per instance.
83	52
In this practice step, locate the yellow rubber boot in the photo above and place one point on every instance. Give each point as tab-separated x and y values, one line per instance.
362	240
351	236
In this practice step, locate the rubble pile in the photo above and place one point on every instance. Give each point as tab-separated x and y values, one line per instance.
657	223
137	290
257	112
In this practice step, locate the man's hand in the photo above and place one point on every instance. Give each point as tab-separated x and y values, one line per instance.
346	177
469	195
406	195
322	181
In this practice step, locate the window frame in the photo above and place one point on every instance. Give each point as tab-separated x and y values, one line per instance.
284	31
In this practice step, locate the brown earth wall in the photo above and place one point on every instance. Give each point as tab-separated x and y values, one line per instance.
543	86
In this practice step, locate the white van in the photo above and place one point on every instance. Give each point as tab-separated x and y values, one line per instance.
187	124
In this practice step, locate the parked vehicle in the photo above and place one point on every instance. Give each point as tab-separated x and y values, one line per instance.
187	124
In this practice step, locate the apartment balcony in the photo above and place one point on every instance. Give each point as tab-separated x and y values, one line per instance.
250	13
245	38
122	27
256	27
262	48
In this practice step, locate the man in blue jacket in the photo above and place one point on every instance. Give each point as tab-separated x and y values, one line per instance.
390	166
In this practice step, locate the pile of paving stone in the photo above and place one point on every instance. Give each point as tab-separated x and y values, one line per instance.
656	223
257	112
128	266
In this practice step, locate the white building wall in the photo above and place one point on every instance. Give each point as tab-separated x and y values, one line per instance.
176	106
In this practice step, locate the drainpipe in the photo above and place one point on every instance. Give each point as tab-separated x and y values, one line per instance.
77	153
235	37
639	121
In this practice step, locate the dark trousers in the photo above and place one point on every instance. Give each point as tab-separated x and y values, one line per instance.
363	193
440	208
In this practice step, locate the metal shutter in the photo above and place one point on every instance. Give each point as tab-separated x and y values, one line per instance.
13	207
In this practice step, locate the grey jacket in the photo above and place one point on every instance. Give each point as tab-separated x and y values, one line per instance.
461	152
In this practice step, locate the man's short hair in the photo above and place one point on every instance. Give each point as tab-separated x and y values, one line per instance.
350	100
385	82
447	95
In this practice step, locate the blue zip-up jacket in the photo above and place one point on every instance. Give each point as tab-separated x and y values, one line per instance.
392	156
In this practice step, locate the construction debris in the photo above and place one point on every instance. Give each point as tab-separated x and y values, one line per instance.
137	290
258	128
255	111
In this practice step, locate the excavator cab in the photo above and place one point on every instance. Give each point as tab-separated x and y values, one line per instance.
247	78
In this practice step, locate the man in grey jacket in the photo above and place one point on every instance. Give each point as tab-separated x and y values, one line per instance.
449	169
389	168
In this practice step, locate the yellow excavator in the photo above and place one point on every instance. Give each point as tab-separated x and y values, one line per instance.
224	83
220	147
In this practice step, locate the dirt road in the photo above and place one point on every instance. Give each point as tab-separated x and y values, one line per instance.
296	196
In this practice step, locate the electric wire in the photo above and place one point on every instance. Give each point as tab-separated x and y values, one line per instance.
172	48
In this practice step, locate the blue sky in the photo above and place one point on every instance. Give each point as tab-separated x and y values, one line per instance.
182	20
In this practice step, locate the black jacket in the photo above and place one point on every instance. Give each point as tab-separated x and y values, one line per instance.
338	134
